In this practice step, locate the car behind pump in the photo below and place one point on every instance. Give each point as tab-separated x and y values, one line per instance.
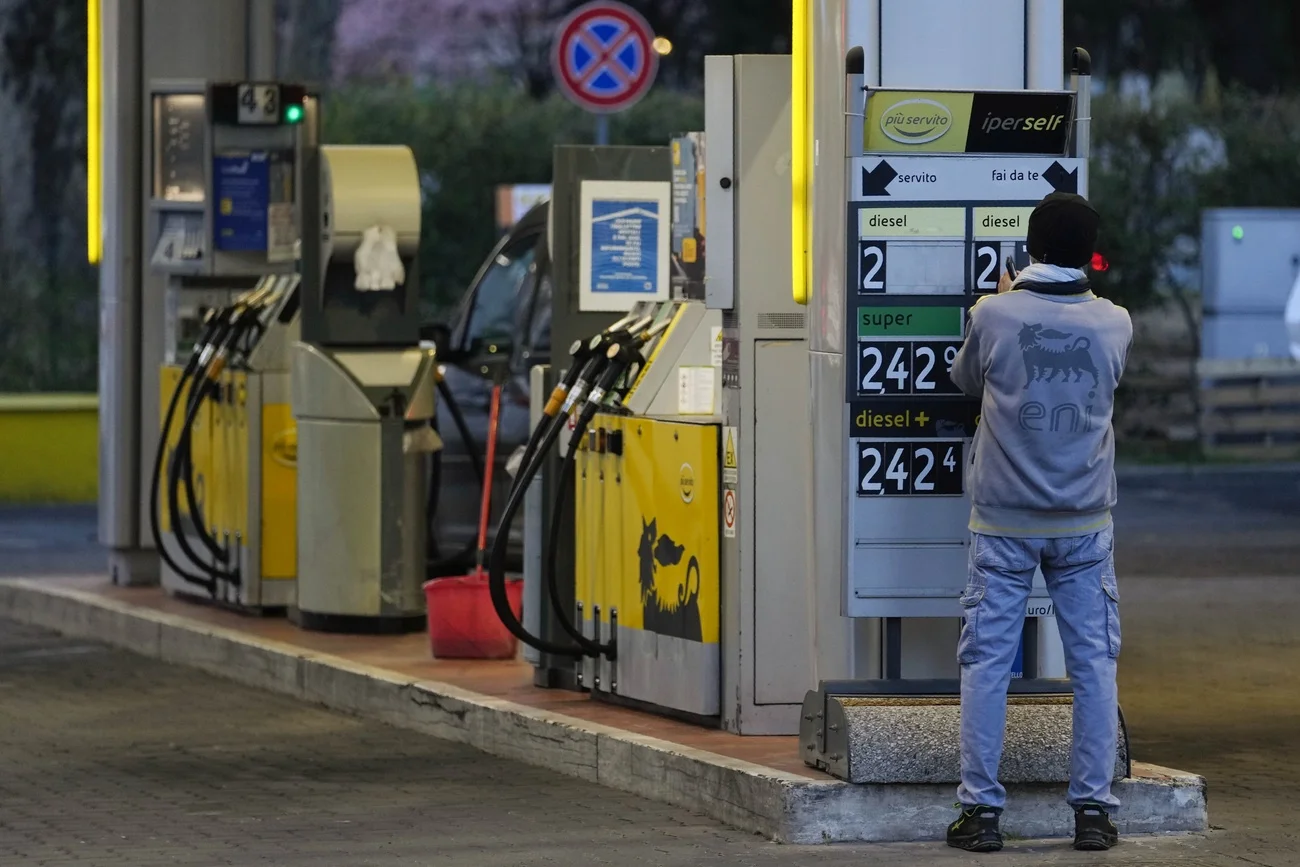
498	332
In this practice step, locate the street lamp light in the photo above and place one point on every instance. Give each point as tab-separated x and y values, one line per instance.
662	45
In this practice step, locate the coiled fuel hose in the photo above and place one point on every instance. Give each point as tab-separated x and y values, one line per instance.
182	467
215	328
563	400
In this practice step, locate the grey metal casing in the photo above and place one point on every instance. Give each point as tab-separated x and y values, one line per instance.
689	344
362	477
534	590
146	40
1244	335
267	383
879	28
766	614
1253	275
572	164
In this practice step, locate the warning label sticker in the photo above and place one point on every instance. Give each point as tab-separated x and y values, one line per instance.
729	448
729	514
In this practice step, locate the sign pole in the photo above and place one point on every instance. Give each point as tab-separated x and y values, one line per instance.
602	130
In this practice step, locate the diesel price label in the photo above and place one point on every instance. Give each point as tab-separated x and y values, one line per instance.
914	367
893	468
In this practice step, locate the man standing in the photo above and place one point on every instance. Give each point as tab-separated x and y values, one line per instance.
1045	356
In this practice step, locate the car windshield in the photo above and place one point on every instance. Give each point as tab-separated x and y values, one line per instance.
496	300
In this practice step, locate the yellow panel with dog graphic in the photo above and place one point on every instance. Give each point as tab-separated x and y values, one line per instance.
647	519
669	562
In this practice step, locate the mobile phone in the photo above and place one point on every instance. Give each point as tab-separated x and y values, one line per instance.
1011	267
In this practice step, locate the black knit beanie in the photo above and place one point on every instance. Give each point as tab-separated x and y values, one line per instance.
1063	231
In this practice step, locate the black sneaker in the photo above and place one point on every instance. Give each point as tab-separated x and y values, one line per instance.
976	830
1093	829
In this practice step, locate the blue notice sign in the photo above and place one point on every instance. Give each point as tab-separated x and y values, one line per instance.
625	247
240	201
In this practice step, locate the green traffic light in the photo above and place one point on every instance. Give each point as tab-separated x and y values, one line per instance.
293	113
1238	233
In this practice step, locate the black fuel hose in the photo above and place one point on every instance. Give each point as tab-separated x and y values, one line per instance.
543	438
581	355
213	331
439	567
182	466
624	357
500	544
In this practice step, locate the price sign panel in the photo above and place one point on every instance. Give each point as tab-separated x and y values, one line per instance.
898	367
927	236
911	251
998	234
901	468
259	104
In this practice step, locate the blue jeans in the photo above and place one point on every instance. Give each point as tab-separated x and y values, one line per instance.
1080	574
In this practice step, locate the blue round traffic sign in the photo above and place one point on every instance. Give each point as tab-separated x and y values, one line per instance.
604	57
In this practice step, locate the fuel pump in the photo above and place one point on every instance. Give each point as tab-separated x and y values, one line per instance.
224	223
598	373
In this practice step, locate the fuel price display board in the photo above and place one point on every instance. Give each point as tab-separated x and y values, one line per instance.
928	236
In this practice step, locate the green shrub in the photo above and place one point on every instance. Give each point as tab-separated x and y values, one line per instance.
469	139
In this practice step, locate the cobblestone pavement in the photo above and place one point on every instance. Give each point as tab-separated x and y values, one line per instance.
111	759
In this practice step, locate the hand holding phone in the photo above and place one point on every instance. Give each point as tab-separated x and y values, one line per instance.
1011	267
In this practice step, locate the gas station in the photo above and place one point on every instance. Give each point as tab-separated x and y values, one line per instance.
743	498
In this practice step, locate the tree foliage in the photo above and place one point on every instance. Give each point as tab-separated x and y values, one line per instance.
1250	44
467	140
47	330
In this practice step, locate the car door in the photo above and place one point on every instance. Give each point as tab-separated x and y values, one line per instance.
482	343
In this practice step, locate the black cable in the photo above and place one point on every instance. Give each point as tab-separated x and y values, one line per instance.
621	358
441	567
183	467
182	459
462	428
218	324
577	378
497	567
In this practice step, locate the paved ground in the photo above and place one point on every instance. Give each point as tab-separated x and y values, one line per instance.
49	540
110	759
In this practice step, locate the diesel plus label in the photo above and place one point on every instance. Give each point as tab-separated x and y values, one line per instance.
954	418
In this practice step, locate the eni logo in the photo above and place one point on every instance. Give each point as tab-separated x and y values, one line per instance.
686	483
916	121
284	448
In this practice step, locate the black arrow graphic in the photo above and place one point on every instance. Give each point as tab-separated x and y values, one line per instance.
874	182
1061	180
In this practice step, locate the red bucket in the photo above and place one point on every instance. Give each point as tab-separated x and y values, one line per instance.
462	622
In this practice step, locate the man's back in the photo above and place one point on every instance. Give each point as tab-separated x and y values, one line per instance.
1047	359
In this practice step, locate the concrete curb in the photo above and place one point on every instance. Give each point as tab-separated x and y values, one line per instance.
784	807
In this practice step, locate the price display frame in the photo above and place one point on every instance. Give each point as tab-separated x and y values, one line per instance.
910	468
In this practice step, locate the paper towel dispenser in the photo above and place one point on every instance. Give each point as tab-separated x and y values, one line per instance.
361	286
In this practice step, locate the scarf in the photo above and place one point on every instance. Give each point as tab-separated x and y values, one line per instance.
1037	272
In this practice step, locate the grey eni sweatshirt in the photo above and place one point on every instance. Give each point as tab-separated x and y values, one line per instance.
1045	359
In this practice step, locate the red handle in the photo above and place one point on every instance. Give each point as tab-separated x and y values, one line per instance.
485	513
